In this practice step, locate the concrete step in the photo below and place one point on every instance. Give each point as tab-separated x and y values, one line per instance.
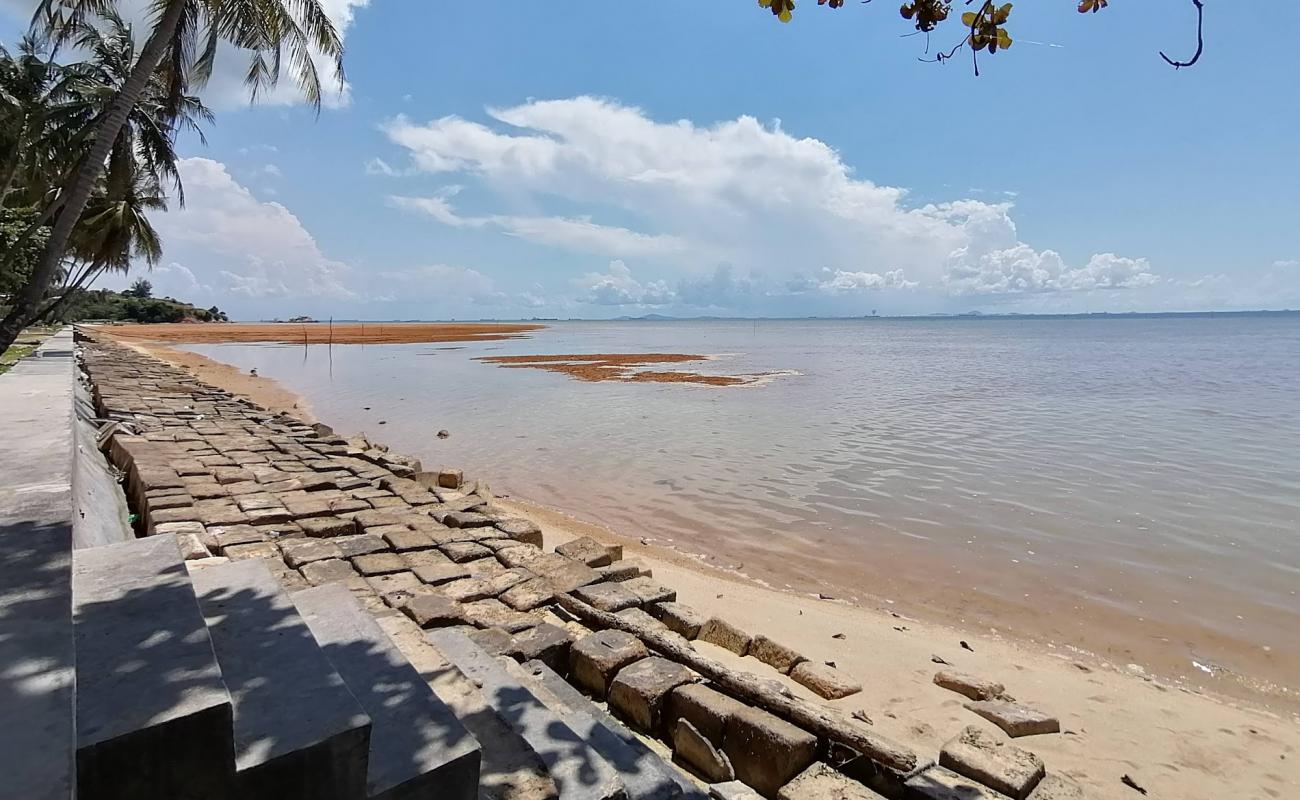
153	715
418	749
644	772
298	731
579	772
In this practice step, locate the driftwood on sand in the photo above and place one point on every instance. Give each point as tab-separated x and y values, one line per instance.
809	716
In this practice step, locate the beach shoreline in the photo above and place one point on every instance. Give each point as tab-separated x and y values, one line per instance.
1108	709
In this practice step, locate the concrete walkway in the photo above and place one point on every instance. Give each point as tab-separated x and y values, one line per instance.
37	743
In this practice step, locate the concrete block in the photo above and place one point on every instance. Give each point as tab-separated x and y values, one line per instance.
969	685
647	591
705	708
418	748
679	617
644	773
825	681
379	564
638	691
300	552
691	748
432	610
981	757
587	551
725	635
607	596
1014	719
329	571
153	714
577	770
774	654
595	659
939	783
529	595
766	752
521	530
298	730
1056	787
821	782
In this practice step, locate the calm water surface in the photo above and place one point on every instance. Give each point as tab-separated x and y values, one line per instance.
1129	486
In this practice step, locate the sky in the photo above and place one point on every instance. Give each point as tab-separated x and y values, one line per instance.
512	160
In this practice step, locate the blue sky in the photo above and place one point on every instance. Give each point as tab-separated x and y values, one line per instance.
518	160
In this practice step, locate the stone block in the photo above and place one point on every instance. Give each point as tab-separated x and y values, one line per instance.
638	616
466	519
1014	719
775	655
1056	787
563	574
968	685
824	681
821	782
224	536
403	539
606	596
520	556
679	617
732	790
528	595
725	635
300	552
620	571
432	610
450	478
586	550
595	659
705	708
492	613
697	753
981	757
376	518
493	641
327	526
938	783
192	546
521	530
638	691
467	590
392	582
379	564
647	591
461	552
546	643
765	751
244	552
439	574
424	558
319	573
359	544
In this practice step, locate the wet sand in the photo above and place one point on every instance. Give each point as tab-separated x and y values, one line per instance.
618	367
319	332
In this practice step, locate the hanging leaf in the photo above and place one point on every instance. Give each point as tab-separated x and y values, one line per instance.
1091	5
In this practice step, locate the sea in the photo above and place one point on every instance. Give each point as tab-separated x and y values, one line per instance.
1121	487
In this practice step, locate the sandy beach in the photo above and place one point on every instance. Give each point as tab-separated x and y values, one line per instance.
1117	720
321	332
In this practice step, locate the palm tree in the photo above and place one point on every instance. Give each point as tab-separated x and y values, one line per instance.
113	228
32	88
183	43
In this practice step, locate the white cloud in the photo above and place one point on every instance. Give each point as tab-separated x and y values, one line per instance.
570	233
617	287
737	192
1287	263
263	249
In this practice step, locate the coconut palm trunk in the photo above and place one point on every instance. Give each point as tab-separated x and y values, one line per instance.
27	302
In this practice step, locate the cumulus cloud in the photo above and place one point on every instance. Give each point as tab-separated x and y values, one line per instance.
263	249
686	196
617	287
571	233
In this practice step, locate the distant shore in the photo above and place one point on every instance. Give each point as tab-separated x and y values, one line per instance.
320	332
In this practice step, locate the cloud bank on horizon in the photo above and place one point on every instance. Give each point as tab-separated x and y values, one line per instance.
640	215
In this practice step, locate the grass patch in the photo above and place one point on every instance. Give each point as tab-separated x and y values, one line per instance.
14	354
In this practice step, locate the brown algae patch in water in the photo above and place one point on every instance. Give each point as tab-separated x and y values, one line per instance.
621	367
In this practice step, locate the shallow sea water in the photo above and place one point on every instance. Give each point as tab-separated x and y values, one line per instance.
1130	486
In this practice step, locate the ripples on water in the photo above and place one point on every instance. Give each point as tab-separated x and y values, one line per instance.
1132	485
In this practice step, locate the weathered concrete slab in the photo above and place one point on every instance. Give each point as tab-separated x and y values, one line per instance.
820	782
153	713
418	748
940	783
766	752
981	757
596	658
645	774
298	730
637	693
1014	719
972	686
577	769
